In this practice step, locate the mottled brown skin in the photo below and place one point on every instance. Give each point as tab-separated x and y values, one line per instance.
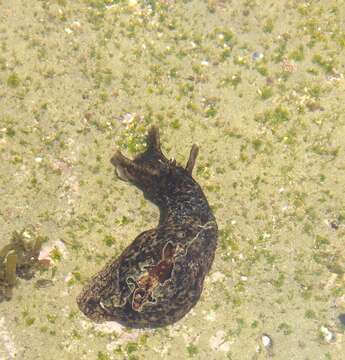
160	276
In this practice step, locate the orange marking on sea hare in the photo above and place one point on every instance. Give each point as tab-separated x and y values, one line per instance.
156	275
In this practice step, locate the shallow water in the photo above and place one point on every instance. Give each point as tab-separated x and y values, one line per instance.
259	86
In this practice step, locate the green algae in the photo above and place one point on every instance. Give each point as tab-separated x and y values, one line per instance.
13	80
18	259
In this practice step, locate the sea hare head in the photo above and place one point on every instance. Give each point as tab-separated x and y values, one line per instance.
151	171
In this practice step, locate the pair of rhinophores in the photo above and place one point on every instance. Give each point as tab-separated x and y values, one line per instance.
159	277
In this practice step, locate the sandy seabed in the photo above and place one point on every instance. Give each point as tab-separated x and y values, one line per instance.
259	85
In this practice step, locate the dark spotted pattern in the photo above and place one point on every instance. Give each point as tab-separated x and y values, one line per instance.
159	277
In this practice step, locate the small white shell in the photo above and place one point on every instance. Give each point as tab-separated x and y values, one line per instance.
266	341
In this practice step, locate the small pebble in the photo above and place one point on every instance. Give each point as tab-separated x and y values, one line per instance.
334	225
26	234
44	263
43	283
257	55
328	335
75	25
132	3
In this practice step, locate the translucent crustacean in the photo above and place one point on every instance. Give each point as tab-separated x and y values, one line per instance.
18	259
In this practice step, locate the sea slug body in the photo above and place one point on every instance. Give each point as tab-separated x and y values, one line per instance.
159	277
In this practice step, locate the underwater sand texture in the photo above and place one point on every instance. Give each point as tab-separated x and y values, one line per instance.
259	85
